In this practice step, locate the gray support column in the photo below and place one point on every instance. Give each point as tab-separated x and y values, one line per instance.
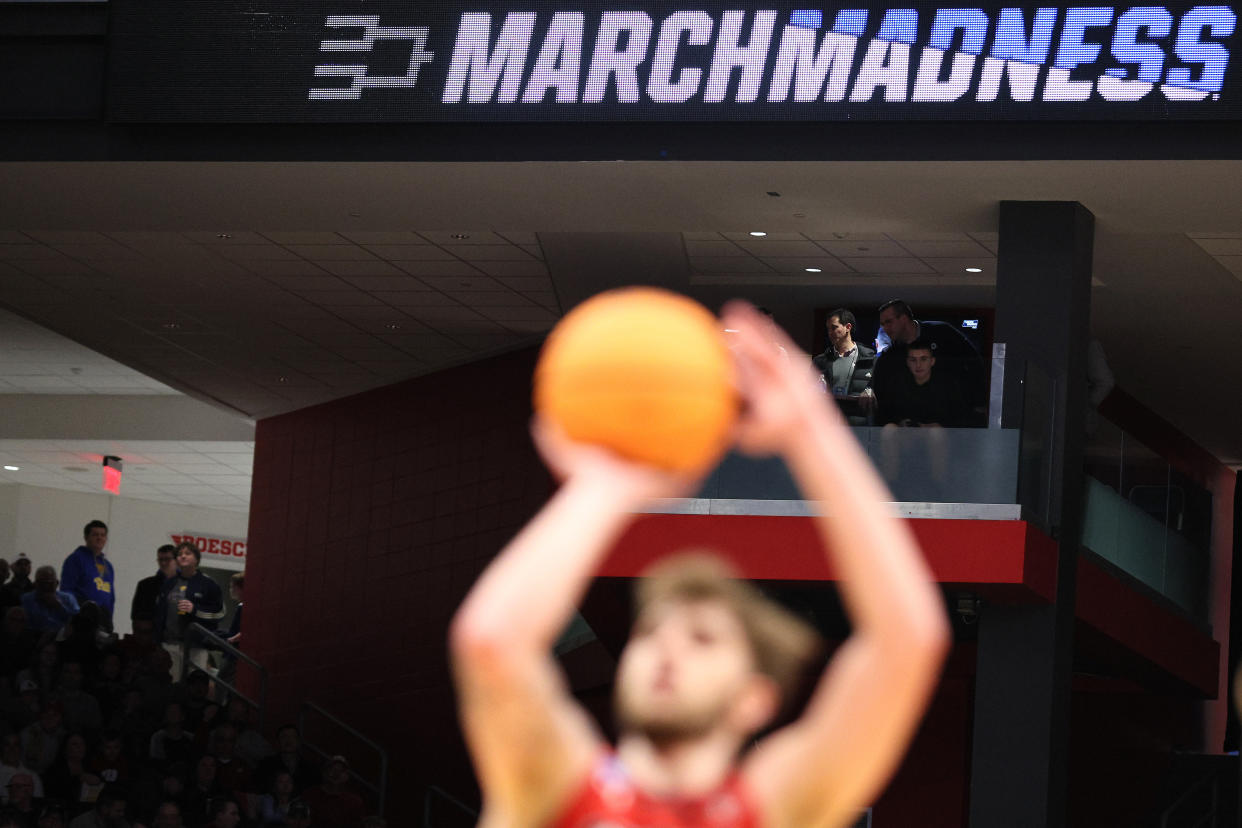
1025	655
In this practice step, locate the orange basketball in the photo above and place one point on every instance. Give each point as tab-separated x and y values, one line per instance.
644	372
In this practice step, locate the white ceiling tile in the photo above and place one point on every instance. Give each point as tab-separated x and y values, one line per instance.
414	298
927	236
714	248
446	267
447	237
304	237
1231	263
518	314
864	248
68	236
468	283
409	252
335	298
13	237
371	268
954	267
526	283
826	264
880	264
730	264
106	252
59	265
745	235
545	299
308	284
837	235
518	237
533	249
489	252
320	253
257	252
515	269
283	267
366	237
490	298
386	284
946	249
225	238
766	249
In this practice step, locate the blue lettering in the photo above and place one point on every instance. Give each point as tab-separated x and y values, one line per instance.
972	22
1218	21
850	22
1012	42
1157	22
1073	51
899	26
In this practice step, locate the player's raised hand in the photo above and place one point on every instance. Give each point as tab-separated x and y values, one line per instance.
780	394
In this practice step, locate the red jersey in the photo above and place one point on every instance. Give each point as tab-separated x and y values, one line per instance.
610	799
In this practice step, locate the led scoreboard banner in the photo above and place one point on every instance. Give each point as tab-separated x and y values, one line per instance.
387	60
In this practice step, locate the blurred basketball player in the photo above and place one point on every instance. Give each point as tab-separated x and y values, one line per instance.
708	658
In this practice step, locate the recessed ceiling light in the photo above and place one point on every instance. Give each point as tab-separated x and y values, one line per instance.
392	326
282	380
974	270
12	468
814	270
757	233
224	235
460	235
171	326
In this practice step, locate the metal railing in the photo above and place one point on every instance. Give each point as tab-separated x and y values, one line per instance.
434	793
379	789
200	637
1200	819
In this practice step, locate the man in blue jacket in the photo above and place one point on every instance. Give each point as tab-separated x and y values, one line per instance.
88	576
186	598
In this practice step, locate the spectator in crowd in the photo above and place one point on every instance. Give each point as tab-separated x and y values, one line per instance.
11	764
222	812
20	582
88	574
202	789
47	607
25	708
274	805
108	685
228	665
957	356
81	708
187	598
7	598
21	798
172	742
167	815
41	740
109	811
43	669
289	758
17	641
299	815
109	762
147	592
68	779
232	775
846	367
52	815
332	802
252	748
923	397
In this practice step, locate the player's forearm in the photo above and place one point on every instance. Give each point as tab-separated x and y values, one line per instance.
527	595
885	583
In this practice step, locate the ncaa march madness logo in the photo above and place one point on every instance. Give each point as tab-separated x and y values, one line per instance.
579	60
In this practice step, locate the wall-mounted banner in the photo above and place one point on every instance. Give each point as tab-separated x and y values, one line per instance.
390	60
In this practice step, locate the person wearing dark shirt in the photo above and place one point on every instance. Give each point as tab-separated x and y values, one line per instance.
922	397
188	598
48	607
846	368
958	360
147	592
20	582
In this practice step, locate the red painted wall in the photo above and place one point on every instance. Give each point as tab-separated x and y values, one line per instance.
370	518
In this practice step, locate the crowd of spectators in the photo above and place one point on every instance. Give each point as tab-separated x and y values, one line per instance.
927	374
102	731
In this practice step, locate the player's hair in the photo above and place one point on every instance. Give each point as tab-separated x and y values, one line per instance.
783	645
921	344
198	556
94	524
899	307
